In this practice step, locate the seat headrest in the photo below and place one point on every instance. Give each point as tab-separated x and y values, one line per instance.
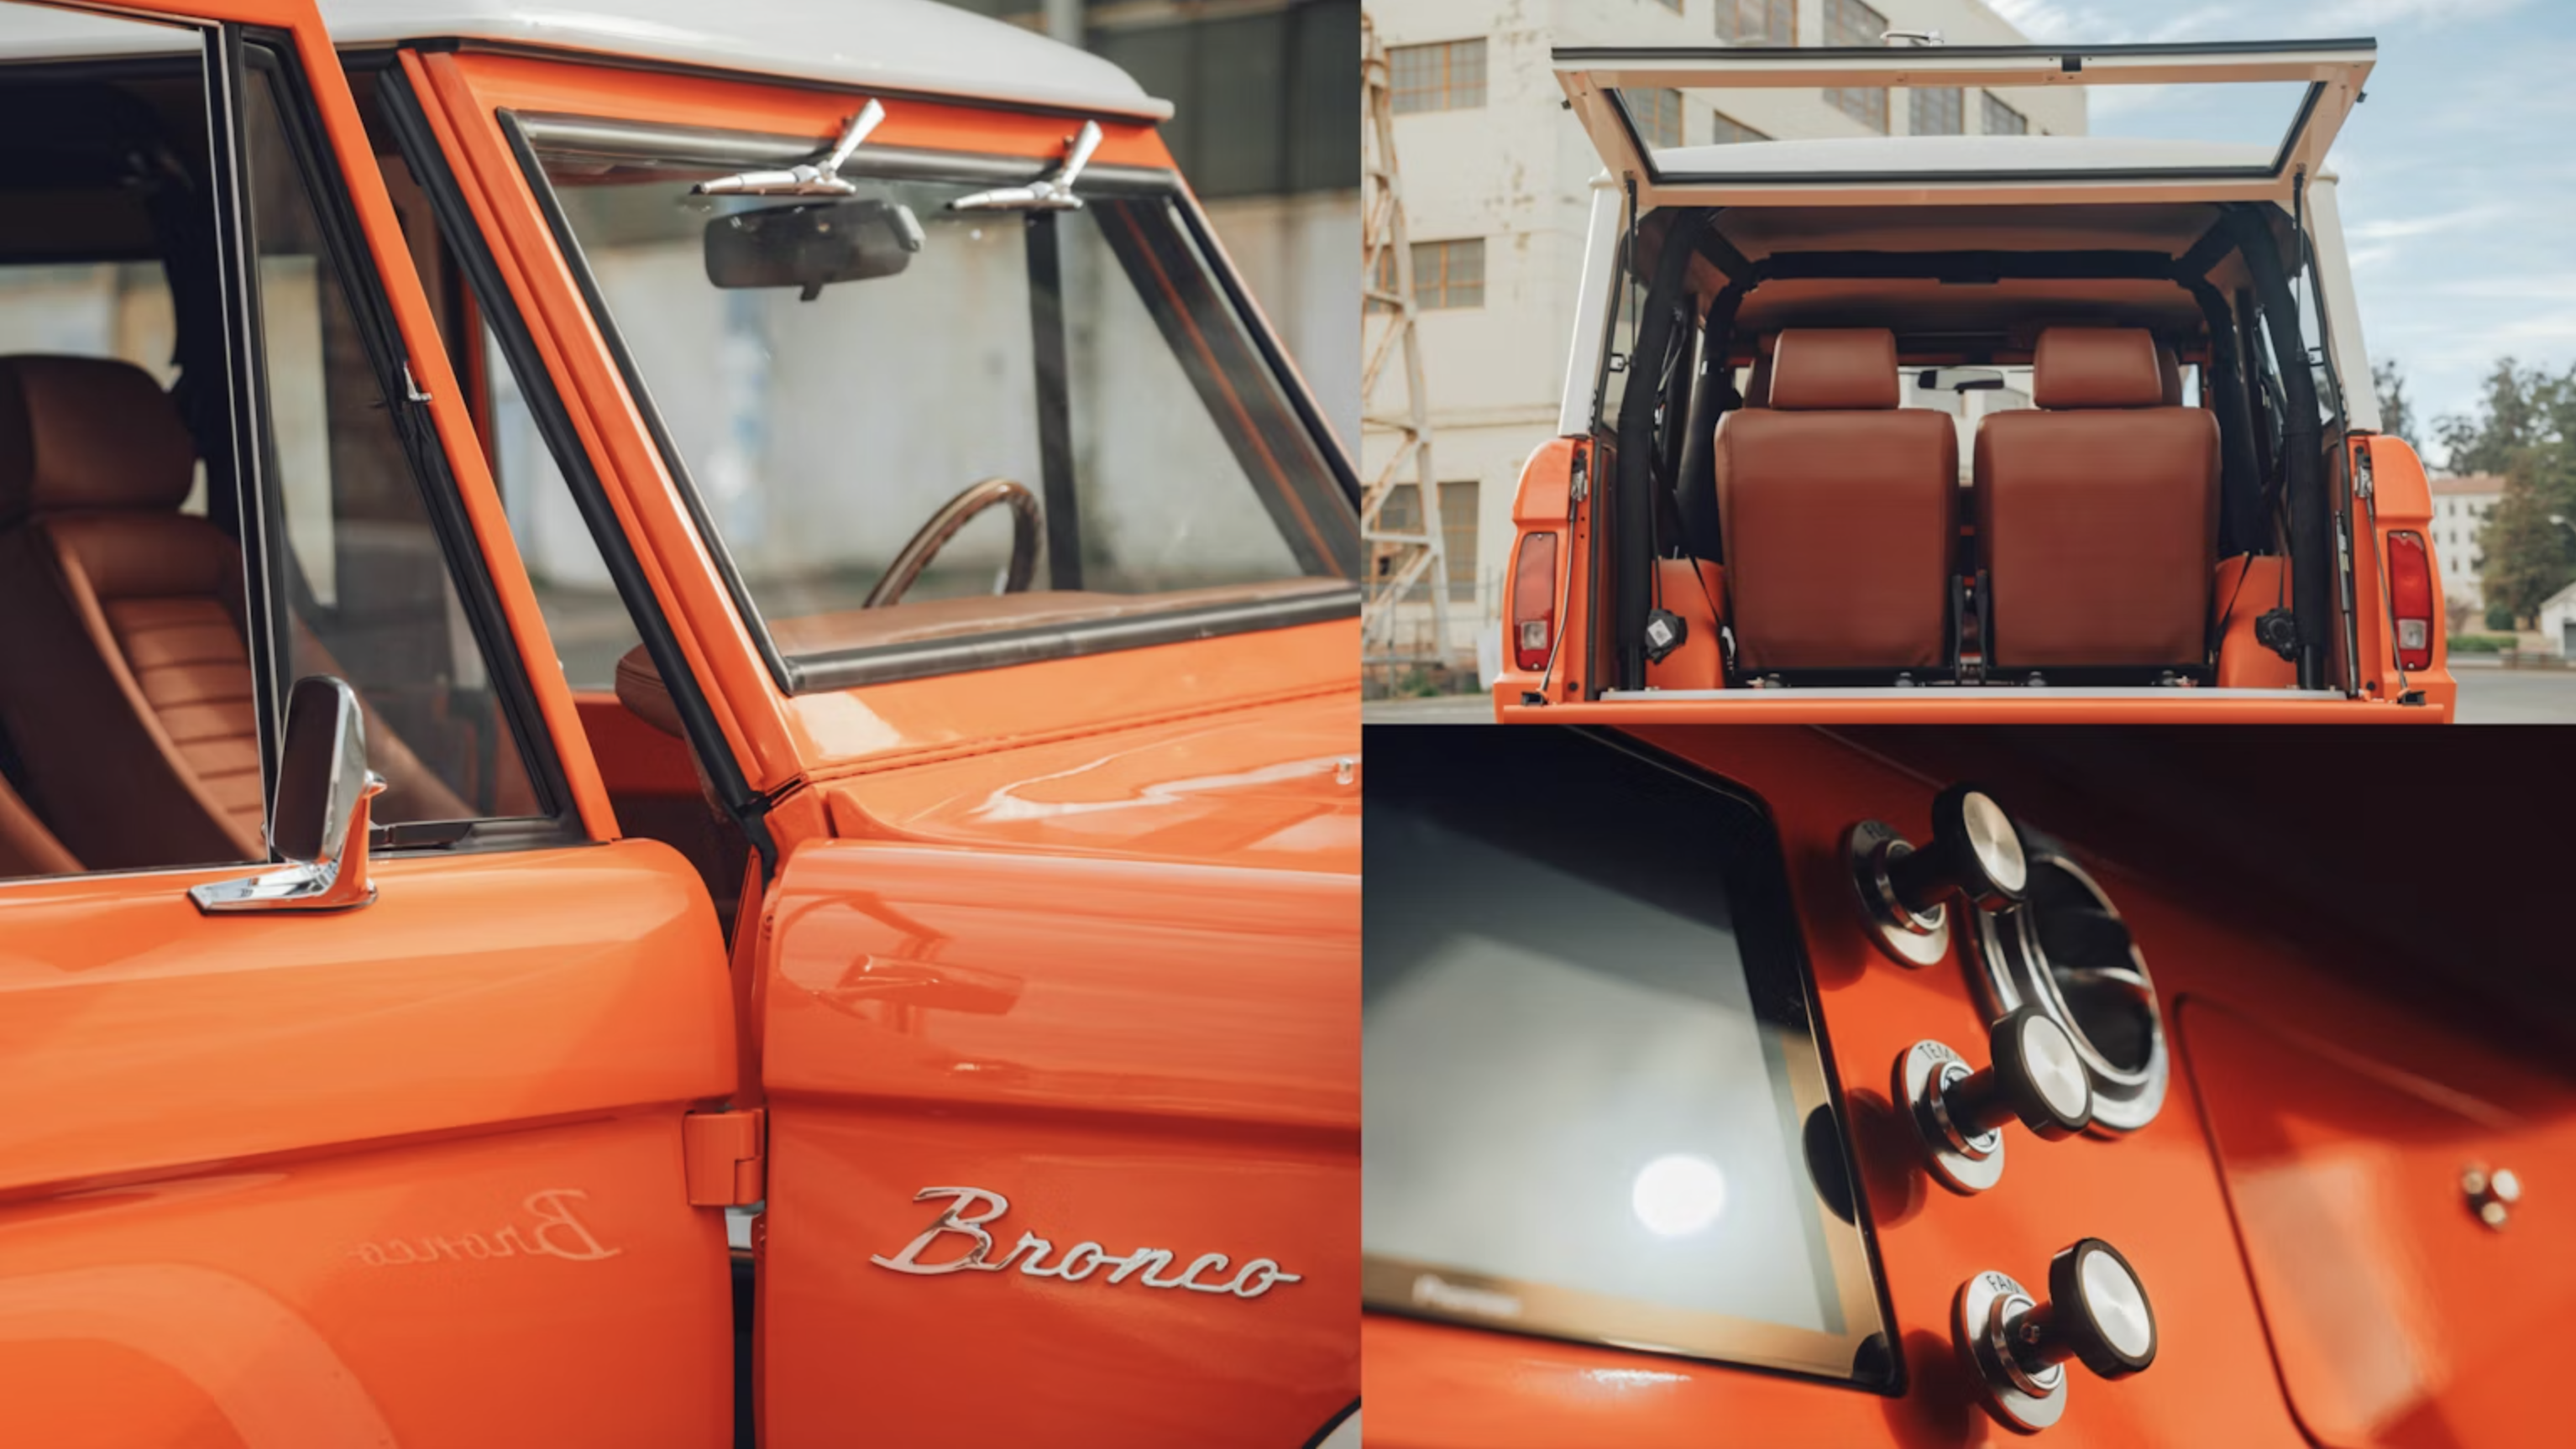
88	433
2097	367
1834	369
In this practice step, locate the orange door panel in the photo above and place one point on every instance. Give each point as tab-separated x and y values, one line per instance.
410	1173
1139	1082
406	1174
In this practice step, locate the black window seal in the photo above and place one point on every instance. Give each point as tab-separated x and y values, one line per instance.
466	243
845	669
469	573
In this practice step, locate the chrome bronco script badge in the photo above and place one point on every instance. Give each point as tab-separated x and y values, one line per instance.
970	1208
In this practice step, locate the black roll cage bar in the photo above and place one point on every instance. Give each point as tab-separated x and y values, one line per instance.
2245	500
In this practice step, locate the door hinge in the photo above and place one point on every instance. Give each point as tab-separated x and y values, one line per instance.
725	1157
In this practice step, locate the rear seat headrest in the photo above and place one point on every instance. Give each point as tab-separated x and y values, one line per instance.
1834	369
2097	367
85	433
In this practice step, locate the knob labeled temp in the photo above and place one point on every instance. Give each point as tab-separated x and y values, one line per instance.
2016	1348
2035	1077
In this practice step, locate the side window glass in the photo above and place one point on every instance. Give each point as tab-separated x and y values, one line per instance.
586	618
360	570
129	727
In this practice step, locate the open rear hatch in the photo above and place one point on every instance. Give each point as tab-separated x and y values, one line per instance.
2243	121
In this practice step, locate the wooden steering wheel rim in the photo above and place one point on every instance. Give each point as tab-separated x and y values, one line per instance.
1027	521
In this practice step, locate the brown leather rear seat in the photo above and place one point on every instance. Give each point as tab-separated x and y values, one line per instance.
2097	513
1839	511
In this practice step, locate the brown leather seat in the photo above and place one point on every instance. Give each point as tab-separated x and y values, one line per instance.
125	683
125	678
2097	512
1839	511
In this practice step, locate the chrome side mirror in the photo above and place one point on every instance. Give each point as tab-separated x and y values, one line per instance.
318	825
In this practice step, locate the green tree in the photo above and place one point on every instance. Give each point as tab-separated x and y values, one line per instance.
2396	418
2515	413
2528	557
2524	430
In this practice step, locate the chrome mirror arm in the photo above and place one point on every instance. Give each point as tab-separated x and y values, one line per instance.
319	813
338	881
1047	193
808	178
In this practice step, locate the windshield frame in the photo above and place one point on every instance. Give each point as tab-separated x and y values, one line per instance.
535	136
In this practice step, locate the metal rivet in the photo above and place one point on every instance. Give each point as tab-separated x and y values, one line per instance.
2491	1194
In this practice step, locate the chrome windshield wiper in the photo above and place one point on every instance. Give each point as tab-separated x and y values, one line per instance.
1047	193
810	178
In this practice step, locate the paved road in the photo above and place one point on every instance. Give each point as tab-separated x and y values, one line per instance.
2487	696
2515	696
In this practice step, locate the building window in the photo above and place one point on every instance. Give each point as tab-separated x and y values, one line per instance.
1757	22
1729	131
1446	77
1937	111
1658	115
1403	514
1449	274
2003	120
1850	23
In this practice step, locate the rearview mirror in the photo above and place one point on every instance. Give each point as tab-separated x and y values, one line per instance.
319	823
811	245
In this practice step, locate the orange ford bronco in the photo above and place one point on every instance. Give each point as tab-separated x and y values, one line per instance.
558	885
1993	426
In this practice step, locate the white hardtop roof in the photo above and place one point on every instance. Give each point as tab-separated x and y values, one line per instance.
1878	170
916	46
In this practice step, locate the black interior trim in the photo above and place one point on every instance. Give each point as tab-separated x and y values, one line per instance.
2311	543
1660	329
417	431
466	243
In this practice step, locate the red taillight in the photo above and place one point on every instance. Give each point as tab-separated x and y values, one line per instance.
2410	600
1534	601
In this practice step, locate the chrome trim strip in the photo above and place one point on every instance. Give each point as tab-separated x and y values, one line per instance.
591	138
819	673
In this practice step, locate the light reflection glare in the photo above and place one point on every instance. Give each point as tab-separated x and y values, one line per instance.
1678	1194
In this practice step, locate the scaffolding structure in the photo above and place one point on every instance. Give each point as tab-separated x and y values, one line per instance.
1399	560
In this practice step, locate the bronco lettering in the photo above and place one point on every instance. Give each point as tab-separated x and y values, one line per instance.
970	1208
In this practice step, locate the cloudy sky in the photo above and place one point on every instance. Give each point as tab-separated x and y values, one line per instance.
2458	176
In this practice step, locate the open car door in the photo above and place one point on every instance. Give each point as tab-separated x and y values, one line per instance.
406	1171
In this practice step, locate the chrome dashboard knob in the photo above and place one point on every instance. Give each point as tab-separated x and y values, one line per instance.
2034	1076
1975	851
2016	1347
1905	889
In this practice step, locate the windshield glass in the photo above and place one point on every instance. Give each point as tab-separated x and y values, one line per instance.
1089	357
